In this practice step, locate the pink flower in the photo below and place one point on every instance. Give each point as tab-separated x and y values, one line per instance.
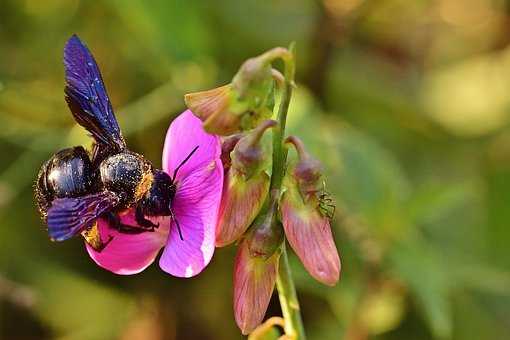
254	280
246	185
304	212
255	269
196	203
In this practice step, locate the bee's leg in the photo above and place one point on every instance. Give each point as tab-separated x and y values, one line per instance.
148	225
93	239
103	245
115	223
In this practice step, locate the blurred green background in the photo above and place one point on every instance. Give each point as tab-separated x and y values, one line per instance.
407	103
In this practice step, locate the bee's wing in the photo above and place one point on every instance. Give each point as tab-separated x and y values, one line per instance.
99	153
87	97
69	216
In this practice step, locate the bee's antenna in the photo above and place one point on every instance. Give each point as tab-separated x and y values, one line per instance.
182	163
177	222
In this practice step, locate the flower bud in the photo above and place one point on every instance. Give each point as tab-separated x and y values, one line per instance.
214	109
254	280
253	81
227	146
308	229
256	267
242	104
240	203
266	235
245	187
249	153
307	172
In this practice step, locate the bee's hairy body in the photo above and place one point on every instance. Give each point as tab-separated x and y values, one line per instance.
69	173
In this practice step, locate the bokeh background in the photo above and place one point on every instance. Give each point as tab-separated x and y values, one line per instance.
407	103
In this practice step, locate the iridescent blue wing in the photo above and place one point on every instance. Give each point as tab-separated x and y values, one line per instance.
87	98
68	217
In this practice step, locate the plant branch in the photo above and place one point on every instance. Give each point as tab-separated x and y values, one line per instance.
288	299
285	285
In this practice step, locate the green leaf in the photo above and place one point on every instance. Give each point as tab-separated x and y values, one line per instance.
79	308
421	269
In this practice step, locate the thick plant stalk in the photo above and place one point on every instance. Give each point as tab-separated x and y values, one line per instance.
285	285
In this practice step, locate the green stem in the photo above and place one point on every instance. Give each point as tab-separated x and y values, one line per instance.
279	154
278	135
284	283
288	299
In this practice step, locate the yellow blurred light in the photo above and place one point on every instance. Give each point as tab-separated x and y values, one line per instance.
341	7
383	310
466	12
147	322
471	97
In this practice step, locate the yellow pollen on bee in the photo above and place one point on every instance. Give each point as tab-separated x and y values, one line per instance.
92	237
144	185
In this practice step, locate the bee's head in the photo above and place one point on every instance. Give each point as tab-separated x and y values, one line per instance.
158	198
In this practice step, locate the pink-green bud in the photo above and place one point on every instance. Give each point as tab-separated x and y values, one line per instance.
240	203
245	187
249	153
227	146
307	171
255	270
254	280
266	234
204	104
253	86
253	82
214	108
245	102
307	228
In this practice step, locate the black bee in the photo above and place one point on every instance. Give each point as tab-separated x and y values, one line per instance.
74	189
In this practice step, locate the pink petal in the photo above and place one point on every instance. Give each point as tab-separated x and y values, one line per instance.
185	133
198	196
128	254
309	234
254	280
240	204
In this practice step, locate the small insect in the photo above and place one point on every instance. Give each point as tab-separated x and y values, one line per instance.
74	189
327	205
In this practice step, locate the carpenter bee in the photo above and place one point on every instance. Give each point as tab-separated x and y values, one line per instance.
74	189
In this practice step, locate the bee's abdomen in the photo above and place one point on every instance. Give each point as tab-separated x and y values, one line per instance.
68	173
